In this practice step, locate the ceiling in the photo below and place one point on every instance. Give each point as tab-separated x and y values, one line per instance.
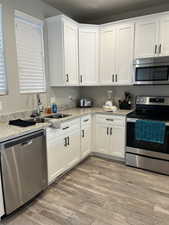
93	10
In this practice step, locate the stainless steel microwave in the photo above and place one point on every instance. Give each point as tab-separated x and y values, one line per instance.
151	71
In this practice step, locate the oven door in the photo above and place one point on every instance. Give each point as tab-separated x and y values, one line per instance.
146	148
151	74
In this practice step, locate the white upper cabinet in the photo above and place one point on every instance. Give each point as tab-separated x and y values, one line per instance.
107	54
151	38
88	54
164	34
124	54
146	38
63	51
116	54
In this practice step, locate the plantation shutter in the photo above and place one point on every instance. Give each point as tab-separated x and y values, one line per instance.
30	53
3	81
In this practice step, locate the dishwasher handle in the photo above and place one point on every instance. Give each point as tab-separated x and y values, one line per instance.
27	143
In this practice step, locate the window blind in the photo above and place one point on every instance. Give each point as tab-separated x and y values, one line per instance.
30	53
3	81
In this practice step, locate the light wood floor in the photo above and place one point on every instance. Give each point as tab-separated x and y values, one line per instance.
100	192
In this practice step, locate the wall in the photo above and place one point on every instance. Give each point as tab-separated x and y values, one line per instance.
99	94
20	102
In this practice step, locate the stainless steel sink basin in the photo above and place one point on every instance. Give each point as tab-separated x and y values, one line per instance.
57	116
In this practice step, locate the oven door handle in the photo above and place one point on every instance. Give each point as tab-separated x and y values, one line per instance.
133	120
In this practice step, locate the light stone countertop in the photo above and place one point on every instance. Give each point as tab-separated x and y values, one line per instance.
8	132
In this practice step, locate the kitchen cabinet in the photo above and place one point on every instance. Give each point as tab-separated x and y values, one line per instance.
63	148
110	135
107	54
124	54
1	200
164	34
56	153
86	136
151	37
146	38
88	54
116	54
63	51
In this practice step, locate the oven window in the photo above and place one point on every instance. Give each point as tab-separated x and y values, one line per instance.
132	142
158	73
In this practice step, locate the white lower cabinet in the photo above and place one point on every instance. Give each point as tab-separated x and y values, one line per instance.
63	148
86	136
73	141
1	200
110	135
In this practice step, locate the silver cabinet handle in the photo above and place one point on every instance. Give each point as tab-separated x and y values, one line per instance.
83	133
68	141
113	78
155	50
116	77
111	129
65	128
81	79
110	120
86	120
107	130
159	50
65	142
67	77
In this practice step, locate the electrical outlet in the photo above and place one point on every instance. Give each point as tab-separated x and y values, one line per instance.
70	98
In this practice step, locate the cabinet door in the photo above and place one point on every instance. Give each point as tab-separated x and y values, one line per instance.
107	55
88	55
117	142
124	56
146	38
73	148
85	140
163	47
102	138
71	53
55	155
1	200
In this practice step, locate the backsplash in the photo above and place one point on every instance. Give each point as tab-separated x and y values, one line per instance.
99	94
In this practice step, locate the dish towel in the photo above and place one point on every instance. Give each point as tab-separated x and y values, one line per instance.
150	131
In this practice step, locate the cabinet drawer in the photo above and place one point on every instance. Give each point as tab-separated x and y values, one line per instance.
112	120
72	124
85	120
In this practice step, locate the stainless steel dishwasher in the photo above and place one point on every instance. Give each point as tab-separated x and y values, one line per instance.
24	169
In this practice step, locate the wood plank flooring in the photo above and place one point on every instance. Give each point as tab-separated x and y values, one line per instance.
100	192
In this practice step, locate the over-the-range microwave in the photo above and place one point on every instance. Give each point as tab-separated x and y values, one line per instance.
151	71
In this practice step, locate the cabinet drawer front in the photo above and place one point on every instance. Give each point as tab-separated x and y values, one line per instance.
111	120
72	124
86	120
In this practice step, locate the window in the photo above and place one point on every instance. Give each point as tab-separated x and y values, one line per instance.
3	81
30	53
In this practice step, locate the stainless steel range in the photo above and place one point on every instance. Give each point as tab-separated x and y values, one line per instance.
149	154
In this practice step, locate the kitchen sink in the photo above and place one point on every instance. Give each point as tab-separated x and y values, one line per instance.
57	116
